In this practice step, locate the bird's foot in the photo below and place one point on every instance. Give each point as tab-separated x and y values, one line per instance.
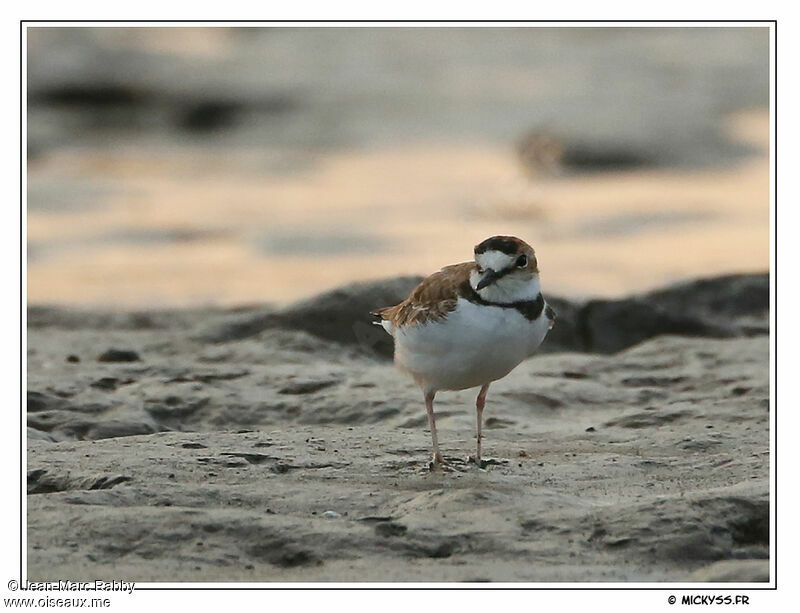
480	463
444	467
448	465
436	463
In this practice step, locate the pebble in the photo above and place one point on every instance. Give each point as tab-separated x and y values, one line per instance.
331	515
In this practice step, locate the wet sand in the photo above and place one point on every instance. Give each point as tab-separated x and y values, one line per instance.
175	167
175	236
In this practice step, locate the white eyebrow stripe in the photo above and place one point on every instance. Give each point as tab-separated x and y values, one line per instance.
496	260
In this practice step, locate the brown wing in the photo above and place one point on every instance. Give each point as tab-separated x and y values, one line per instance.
432	299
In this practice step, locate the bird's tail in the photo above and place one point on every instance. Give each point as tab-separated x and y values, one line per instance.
381	320
378	315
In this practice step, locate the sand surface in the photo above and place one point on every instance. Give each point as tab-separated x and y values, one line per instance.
217	445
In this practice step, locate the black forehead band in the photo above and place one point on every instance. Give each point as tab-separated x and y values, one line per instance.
498	243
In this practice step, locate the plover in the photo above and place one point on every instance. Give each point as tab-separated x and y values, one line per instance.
470	324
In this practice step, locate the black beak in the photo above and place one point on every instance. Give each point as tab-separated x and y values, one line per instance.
489	277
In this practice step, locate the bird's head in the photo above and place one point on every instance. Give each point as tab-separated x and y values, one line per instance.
506	270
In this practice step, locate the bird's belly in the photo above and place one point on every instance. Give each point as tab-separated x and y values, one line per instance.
473	345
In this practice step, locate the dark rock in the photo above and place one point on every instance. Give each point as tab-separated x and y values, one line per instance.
706	307
719	298
73	359
341	315
118	355
241	326
722	307
605	326
610	326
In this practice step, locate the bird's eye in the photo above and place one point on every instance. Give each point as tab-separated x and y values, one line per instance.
522	261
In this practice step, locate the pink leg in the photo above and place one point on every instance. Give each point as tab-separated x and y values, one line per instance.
437	457
479	404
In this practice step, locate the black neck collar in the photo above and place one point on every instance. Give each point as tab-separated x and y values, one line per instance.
530	309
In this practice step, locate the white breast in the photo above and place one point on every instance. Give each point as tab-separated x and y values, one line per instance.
473	345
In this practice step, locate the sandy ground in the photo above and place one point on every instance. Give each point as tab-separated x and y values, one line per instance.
191	167
282	456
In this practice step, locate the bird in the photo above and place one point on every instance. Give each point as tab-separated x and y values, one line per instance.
470	324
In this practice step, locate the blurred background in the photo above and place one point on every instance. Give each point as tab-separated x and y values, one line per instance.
221	166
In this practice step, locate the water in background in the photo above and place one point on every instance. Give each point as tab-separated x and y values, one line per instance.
183	166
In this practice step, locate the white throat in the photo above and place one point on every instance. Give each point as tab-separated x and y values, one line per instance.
507	289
